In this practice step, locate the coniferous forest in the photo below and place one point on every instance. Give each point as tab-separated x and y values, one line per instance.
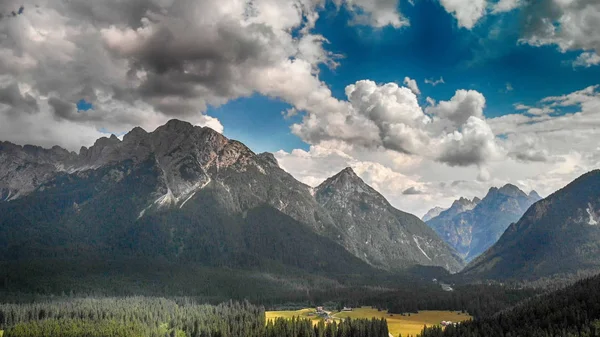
159	317
572	311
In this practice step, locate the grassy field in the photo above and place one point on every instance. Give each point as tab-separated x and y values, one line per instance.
304	313
397	324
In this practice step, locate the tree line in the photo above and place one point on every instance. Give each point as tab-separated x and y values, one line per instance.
160	317
572	311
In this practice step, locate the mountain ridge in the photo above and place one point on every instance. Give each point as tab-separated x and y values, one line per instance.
472	226
182	167
558	234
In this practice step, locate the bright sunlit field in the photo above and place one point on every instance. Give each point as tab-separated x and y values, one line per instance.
398	325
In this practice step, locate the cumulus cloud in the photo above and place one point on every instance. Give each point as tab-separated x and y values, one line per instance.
466	12
143	62
587	59
464	104
570	25
503	6
377	13
211	122
389	116
412	85
474	144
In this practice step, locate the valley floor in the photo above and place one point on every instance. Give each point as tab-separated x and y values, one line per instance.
398	325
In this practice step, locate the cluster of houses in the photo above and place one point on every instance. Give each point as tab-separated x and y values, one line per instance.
320	311
447	323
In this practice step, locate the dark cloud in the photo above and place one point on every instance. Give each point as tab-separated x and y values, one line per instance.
63	109
412	191
530	156
11	96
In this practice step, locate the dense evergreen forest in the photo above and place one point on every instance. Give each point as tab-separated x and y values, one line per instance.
147	317
572	311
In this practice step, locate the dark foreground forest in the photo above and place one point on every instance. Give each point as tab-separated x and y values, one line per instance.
573	311
159	317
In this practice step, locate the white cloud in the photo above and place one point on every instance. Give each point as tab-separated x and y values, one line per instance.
467	12
570	25
504	6
412	85
458	109
143	62
587	59
211	122
434	82
377	13
533	151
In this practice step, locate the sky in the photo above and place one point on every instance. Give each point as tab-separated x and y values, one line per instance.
427	100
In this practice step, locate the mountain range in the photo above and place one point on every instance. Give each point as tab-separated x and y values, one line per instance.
557	235
472	226
187	195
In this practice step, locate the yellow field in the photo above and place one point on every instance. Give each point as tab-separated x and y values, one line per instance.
304	313
397	324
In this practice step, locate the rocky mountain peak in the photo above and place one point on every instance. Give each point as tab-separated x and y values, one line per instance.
176	125
512	190
346	181
269	157
377	232
463	204
534	195
432	213
472	226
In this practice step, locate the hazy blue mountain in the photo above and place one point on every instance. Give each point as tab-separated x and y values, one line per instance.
432	213
557	235
472	226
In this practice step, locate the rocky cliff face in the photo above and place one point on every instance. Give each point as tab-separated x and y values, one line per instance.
378	233
472	226
23	168
559	234
183	171
432	213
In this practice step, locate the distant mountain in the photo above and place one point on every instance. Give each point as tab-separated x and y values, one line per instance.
432	213
189	196
557	235
377	232
472	226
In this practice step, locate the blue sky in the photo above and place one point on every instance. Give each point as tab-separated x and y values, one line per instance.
486	58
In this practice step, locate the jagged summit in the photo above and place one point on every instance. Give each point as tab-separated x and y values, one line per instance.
512	190
534	195
377	232
472	226
181	179
556	235
346	177
349	171
432	213
269	157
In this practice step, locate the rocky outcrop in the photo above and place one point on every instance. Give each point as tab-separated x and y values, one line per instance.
378	233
